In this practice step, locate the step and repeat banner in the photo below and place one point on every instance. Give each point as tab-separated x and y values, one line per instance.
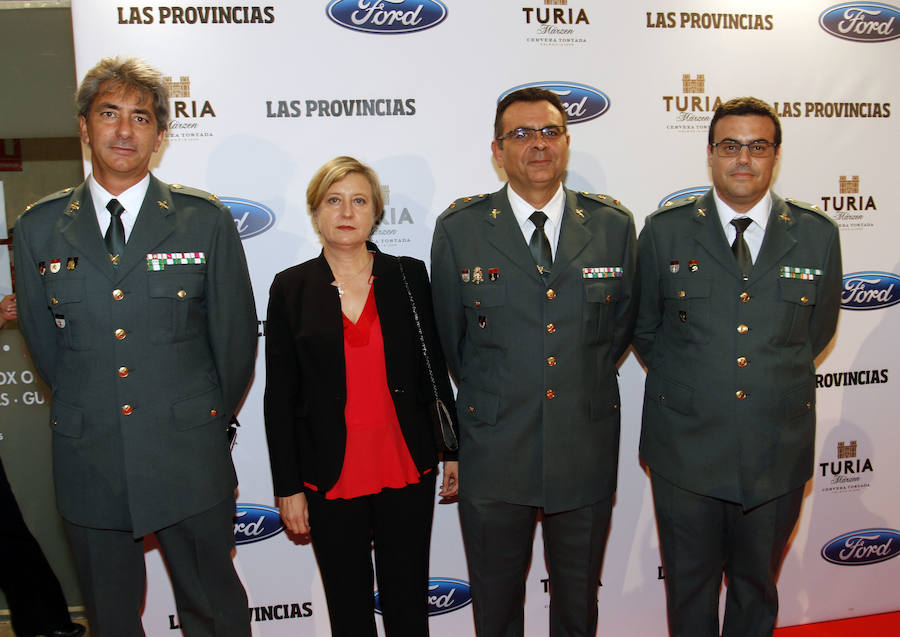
263	94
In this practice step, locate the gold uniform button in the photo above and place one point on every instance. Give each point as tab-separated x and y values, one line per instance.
52	423
123	372
804	300
551	294
181	294
662	398
54	301
741	394
213	413
681	294
551	361
742	329
127	409
609	298
550	394
808	405
744	297
742	361
551	328
118	295
120	334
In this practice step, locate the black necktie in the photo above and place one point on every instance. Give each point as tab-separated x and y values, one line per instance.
740	248
539	245
115	234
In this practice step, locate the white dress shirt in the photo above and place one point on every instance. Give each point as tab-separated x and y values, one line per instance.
131	200
553	209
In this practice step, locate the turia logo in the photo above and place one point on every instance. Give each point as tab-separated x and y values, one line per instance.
867	546
862	21
582	102
250	217
255	522
870	290
692	191
445	595
387	16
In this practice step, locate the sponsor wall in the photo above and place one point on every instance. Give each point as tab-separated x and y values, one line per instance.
263	94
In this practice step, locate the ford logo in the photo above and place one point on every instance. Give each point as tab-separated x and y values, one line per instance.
862	21
387	16
696	191
255	522
250	217
582	103
870	290
867	546
445	595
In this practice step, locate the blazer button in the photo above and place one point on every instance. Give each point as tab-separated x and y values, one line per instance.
741	394
120	334
123	372
681	294
213	413
551	361
804	300
744	297
52	423
54	301
127	409
550	394
742	329
551	294
118	295
181	294
662	398
551	328
808	405
742	361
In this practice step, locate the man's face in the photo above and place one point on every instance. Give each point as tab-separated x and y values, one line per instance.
121	129
534	164
743	180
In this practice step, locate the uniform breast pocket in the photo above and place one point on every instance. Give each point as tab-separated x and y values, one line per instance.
177	306
600	298
65	298
686	308
484	309
798	297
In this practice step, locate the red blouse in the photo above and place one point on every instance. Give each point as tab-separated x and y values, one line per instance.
376	456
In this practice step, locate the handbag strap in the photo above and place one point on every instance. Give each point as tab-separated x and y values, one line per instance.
415	313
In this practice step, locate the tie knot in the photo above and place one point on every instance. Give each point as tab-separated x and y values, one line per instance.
538	218
115	208
741	223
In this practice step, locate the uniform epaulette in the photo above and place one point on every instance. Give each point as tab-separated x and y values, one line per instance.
178	189
65	192
806	206
465	202
607	200
678	203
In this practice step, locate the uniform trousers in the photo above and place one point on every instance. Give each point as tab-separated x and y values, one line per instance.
498	538
209	596
36	601
398	523
701	538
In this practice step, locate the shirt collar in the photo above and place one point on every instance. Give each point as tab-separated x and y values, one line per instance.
759	213
131	199
523	210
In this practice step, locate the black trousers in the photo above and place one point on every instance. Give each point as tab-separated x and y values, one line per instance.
701	538
398	523
36	601
498	538
210	598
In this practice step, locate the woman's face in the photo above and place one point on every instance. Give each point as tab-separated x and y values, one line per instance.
347	212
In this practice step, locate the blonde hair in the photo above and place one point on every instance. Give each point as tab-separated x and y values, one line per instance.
334	170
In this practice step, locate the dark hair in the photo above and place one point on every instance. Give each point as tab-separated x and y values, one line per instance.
746	106
530	94
127	73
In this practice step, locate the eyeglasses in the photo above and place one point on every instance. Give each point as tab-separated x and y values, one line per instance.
732	148
550	133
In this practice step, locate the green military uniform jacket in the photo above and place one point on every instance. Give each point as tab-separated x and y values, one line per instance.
729	406
147	362
535	357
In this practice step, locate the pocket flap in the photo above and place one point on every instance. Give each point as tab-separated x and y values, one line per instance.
198	410
485	295
178	286
66	420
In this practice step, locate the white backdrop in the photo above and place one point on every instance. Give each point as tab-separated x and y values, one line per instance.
264	94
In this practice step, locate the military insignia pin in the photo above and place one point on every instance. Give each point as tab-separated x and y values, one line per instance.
71	263
494	213
694	265
784	217
674	267
164	205
60	320
55	265
493	274
701	212
477	275
464	275
482	322
42	267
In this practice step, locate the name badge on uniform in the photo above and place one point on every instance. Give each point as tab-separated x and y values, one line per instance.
602	273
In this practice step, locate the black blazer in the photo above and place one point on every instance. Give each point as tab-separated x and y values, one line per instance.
306	388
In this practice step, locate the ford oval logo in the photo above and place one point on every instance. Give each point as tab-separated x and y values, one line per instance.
582	103
255	522
695	191
250	217
867	546
445	595
862	21
870	290
387	16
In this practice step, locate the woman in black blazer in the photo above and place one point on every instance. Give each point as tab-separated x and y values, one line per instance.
350	440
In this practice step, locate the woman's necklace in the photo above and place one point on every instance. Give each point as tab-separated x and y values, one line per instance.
340	284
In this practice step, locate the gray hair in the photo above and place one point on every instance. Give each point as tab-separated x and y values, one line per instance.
128	73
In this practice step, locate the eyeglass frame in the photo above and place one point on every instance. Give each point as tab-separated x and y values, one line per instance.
533	133
768	144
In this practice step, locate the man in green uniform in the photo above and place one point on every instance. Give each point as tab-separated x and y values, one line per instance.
740	291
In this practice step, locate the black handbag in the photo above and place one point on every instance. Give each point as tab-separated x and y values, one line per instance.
444	432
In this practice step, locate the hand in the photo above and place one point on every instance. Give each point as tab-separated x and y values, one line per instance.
450	479
294	513
8	308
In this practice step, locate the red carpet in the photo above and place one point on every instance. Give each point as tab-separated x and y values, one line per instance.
885	625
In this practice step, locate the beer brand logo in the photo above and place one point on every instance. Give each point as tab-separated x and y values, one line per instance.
692	191
867	546
847	472
862	21
850	209
870	290
255	522
187	114
387	16
693	109
445	595
582	102
250	217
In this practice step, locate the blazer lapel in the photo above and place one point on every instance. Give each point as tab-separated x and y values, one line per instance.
503	232
573	236
778	240
79	227
711	236
154	223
